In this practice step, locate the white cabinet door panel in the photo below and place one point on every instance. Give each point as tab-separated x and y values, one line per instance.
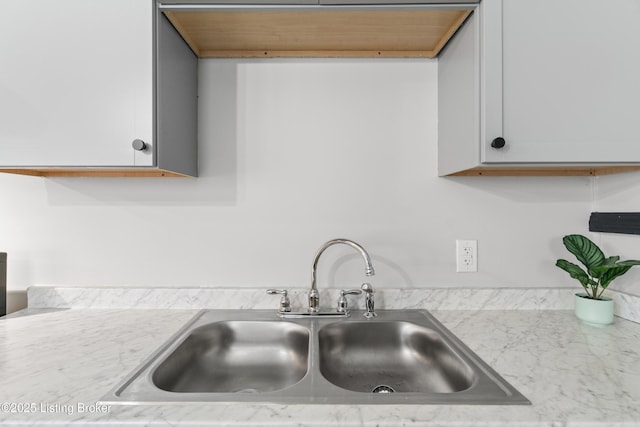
75	82
571	85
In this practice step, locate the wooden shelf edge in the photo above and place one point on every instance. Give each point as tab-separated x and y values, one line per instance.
450	33
186	36
317	54
95	172
572	170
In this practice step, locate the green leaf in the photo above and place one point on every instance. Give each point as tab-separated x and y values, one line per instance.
630	262
599	271
611	273
575	271
611	260
587	252
608	273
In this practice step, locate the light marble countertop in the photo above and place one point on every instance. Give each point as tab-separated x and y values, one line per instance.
56	364
626	306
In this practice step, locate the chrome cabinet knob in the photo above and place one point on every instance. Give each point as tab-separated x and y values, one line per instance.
139	145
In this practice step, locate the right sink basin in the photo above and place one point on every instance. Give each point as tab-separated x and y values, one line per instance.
391	356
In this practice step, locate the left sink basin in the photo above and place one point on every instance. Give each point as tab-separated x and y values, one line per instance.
236	357
224	356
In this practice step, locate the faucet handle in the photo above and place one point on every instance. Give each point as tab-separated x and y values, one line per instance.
368	301
285	303
342	301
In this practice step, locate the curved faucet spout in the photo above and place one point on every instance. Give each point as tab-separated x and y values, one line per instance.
314	296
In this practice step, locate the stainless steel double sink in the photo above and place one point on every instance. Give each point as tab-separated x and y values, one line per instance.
398	357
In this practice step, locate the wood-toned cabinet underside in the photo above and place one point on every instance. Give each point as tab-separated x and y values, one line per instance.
318	32
95	172
544	170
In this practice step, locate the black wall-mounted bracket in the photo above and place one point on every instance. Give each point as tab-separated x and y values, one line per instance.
615	222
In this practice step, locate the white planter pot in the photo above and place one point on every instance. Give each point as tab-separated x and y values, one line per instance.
593	311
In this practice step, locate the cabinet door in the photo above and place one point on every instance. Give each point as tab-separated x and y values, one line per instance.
75	82
570	90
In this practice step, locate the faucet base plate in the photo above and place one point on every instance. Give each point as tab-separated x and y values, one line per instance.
324	314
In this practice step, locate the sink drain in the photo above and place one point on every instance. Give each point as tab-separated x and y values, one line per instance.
383	389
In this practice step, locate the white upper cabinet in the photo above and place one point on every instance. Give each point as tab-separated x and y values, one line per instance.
570	86
557	80
77	84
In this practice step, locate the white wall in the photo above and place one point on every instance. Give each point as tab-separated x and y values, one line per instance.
294	153
620	193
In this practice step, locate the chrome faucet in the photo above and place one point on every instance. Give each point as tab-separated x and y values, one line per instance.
314	296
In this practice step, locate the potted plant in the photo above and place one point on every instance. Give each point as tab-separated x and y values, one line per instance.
591	306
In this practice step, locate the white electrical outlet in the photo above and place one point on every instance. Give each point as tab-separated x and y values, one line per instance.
466	256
